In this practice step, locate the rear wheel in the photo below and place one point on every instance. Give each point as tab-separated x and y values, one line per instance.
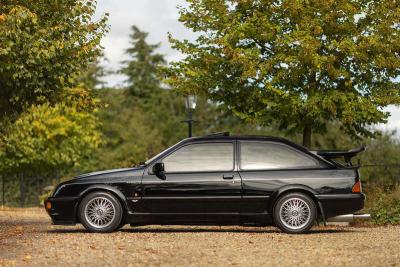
121	224
295	213
100	212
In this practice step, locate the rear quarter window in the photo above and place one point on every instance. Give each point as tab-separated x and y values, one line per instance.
272	155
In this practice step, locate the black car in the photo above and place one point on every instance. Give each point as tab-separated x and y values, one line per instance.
217	180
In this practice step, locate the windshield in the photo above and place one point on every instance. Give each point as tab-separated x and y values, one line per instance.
159	154
153	158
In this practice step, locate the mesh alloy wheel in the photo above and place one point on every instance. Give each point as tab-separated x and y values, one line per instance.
295	213
100	212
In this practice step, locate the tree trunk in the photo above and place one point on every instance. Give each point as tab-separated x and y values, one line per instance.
307	136
3	184
22	192
38	187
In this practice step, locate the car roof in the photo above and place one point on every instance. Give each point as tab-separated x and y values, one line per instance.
226	137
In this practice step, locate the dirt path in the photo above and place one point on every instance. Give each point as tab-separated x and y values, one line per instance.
28	239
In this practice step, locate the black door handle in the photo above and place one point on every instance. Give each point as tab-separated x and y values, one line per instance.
228	177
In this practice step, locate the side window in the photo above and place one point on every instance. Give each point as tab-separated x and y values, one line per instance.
201	157
270	155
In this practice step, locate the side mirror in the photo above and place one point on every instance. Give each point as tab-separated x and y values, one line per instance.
159	170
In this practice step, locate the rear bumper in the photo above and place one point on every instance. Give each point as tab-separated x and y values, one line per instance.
339	204
63	210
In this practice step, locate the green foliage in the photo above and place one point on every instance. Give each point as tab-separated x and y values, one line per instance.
382	160
47	191
92	77
134	131
50	136
34	188
142	66
44	45
300	64
128	134
46	127
385	207
11	191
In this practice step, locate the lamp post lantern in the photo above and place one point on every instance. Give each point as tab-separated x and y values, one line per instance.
190	103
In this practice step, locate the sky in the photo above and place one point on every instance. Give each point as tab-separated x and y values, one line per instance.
157	17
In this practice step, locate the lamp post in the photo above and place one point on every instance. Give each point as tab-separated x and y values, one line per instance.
190	103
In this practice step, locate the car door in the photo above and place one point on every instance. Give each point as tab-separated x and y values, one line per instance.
201	185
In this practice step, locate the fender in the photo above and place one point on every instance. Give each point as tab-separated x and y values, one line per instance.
105	187
292	187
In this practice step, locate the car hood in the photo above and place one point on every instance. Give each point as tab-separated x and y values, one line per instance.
104	177
109	174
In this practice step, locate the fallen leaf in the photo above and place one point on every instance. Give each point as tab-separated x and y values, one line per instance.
27	258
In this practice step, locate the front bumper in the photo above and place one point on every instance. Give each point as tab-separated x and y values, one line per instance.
339	204
63	210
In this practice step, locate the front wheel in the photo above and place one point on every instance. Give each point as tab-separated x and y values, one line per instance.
100	212
295	213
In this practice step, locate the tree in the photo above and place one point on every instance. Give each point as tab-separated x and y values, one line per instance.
129	135
302	64
142	66
92	77
50	137
44	45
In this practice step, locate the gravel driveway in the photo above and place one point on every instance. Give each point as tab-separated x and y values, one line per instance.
28	239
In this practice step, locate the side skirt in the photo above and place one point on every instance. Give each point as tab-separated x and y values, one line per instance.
257	219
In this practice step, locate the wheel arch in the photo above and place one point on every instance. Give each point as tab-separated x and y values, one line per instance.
295	189
103	188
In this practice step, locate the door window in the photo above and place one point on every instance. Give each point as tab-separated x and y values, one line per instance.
200	158
270	155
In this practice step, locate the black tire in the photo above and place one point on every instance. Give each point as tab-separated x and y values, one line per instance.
287	215
109	202
121	224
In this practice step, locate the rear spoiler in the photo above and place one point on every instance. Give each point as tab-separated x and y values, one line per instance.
335	154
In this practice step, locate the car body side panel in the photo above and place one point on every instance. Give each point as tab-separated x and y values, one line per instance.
261	188
67	196
197	197
339	204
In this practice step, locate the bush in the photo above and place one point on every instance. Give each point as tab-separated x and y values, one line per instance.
384	206
46	192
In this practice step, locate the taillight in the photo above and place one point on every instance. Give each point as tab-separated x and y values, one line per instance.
356	187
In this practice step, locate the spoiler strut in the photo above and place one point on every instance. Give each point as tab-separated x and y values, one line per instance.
335	154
